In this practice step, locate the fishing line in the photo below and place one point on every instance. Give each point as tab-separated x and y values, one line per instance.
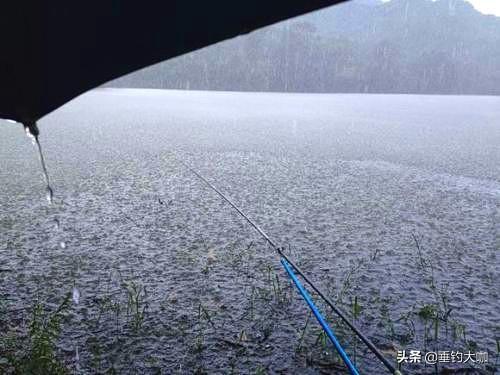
279	250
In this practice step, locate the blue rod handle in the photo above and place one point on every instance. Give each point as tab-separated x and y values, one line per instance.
320	319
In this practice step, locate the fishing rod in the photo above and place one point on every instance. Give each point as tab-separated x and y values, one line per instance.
279	250
303	292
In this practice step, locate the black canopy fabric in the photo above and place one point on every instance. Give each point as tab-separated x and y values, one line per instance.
54	50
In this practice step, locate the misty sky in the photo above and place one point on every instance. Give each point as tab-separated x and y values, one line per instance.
485	6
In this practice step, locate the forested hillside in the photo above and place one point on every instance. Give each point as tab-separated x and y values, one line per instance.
401	46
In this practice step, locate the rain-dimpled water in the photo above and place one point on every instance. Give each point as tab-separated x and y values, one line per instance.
391	201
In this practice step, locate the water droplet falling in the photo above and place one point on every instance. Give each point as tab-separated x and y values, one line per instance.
50	195
32	132
76	295
62	245
77	359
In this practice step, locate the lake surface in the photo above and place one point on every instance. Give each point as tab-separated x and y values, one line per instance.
348	184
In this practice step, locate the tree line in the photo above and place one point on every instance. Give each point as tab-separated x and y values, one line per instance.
401	46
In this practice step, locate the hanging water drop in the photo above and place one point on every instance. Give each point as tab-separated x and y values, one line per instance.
32	132
50	195
30	135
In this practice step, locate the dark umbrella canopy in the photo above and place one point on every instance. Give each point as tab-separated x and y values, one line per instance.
52	51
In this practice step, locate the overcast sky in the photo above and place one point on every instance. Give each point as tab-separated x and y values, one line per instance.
484	6
487	6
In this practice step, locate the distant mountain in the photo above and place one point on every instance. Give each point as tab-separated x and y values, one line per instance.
400	46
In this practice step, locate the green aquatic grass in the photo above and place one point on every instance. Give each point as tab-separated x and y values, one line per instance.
36	354
136	304
125	309
303	333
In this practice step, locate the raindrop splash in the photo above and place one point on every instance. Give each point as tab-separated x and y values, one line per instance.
32	132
